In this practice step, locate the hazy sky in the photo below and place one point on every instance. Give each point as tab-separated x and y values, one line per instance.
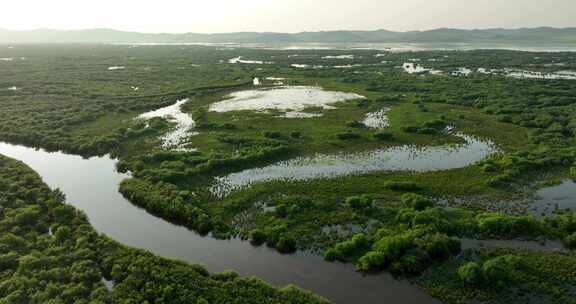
207	16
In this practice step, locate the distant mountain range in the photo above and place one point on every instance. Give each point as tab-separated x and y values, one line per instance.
541	35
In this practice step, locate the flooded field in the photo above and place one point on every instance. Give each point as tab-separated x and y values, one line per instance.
401	158
184	124
283	98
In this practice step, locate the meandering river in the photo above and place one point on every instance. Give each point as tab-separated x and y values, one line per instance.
91	185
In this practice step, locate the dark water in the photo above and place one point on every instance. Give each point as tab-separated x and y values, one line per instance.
550	199
91	185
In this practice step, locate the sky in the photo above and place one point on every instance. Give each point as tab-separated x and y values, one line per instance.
217	16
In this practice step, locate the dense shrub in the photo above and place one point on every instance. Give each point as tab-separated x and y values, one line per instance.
372	260
355	124
360	202
257	237
295	135
497	270
571	241
286	245
471	273
416	201
501	225
272	135
408	252
348	135
402	186
383	136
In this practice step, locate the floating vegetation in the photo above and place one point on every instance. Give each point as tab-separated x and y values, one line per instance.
400	158
184	124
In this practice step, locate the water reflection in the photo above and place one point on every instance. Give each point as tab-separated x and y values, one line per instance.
91	185
551	199
184	124
284	98
400	158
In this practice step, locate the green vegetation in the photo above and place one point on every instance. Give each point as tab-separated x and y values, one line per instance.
385	221
50	254
503	276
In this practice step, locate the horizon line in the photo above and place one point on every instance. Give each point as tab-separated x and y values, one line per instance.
288	33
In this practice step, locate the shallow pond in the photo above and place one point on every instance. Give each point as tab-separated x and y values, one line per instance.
184	124
91	185
284	98
550	199
400	158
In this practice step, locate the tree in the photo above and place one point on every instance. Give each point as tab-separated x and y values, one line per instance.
470	273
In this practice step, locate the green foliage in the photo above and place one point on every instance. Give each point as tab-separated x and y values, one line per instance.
500	225
257	237
409	252
348	135
471	273
571	240
286	245
347	249
68	266
416	201
361	202
402	186
383	136
355	124
497	270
